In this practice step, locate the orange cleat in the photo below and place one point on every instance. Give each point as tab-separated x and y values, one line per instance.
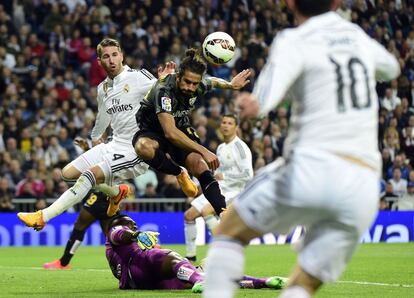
114	201
32	219
55	265
188	186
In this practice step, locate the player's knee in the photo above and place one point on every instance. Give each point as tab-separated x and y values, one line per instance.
69	173
190	215
99	174
145	148
207	211
196	164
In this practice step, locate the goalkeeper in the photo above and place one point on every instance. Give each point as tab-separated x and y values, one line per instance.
137	266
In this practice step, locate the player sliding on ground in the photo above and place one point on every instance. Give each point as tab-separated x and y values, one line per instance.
137	265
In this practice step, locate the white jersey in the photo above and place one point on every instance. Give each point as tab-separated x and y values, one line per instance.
118	101
320	65
236	166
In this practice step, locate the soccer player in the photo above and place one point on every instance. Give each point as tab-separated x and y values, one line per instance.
328	181
137	266
119	97
234	172
94	208
165	127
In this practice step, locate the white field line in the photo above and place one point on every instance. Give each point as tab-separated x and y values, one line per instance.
341	281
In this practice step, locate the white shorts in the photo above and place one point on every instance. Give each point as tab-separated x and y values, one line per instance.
199	202
118	161
334	199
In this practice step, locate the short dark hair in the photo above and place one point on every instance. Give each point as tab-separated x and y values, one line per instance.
107	42
313	7
118	219
234	116
192	61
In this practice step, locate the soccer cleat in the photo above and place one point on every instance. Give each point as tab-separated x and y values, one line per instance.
32	219
55	265
188	186
198	287
276	282
114	201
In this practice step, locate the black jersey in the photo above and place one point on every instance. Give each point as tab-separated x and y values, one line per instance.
164	97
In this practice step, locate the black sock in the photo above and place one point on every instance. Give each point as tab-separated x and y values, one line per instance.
211	191
71	246
163	164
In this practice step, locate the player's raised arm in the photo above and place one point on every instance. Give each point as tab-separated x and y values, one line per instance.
238	82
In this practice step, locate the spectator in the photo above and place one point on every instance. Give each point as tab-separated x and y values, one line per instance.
30	187
150	191
399	185
141	182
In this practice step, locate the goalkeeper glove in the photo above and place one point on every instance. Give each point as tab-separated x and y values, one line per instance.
146	240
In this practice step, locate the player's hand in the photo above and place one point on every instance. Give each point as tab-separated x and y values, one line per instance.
147	240
211	159
82	143
248	105
241	79
169	68
97	142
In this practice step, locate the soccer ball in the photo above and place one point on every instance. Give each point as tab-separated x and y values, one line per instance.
218	48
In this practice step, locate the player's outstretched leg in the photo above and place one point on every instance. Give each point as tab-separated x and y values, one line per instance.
73	195
83	222
190	233
274	282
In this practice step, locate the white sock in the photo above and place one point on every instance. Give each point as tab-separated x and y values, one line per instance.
73	195
190	232
224	268
110	191
295	292
211	222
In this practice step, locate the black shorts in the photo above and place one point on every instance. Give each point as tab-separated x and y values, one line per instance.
97	204
177	154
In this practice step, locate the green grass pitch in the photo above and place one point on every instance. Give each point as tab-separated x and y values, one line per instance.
377	270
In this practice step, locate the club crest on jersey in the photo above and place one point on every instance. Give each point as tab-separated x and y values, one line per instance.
192	100
166	104
126	88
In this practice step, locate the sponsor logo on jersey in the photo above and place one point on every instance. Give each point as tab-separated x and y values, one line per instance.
119	108
166	104
182	113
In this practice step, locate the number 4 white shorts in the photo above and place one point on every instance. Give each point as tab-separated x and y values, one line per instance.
117	160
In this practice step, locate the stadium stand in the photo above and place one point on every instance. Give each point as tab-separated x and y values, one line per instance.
49	76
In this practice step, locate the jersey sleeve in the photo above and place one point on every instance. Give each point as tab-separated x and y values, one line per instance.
102	119
283	67
205	85
145	79
386	65
115	234
163	101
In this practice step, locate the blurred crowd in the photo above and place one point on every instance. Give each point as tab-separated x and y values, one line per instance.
49	75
